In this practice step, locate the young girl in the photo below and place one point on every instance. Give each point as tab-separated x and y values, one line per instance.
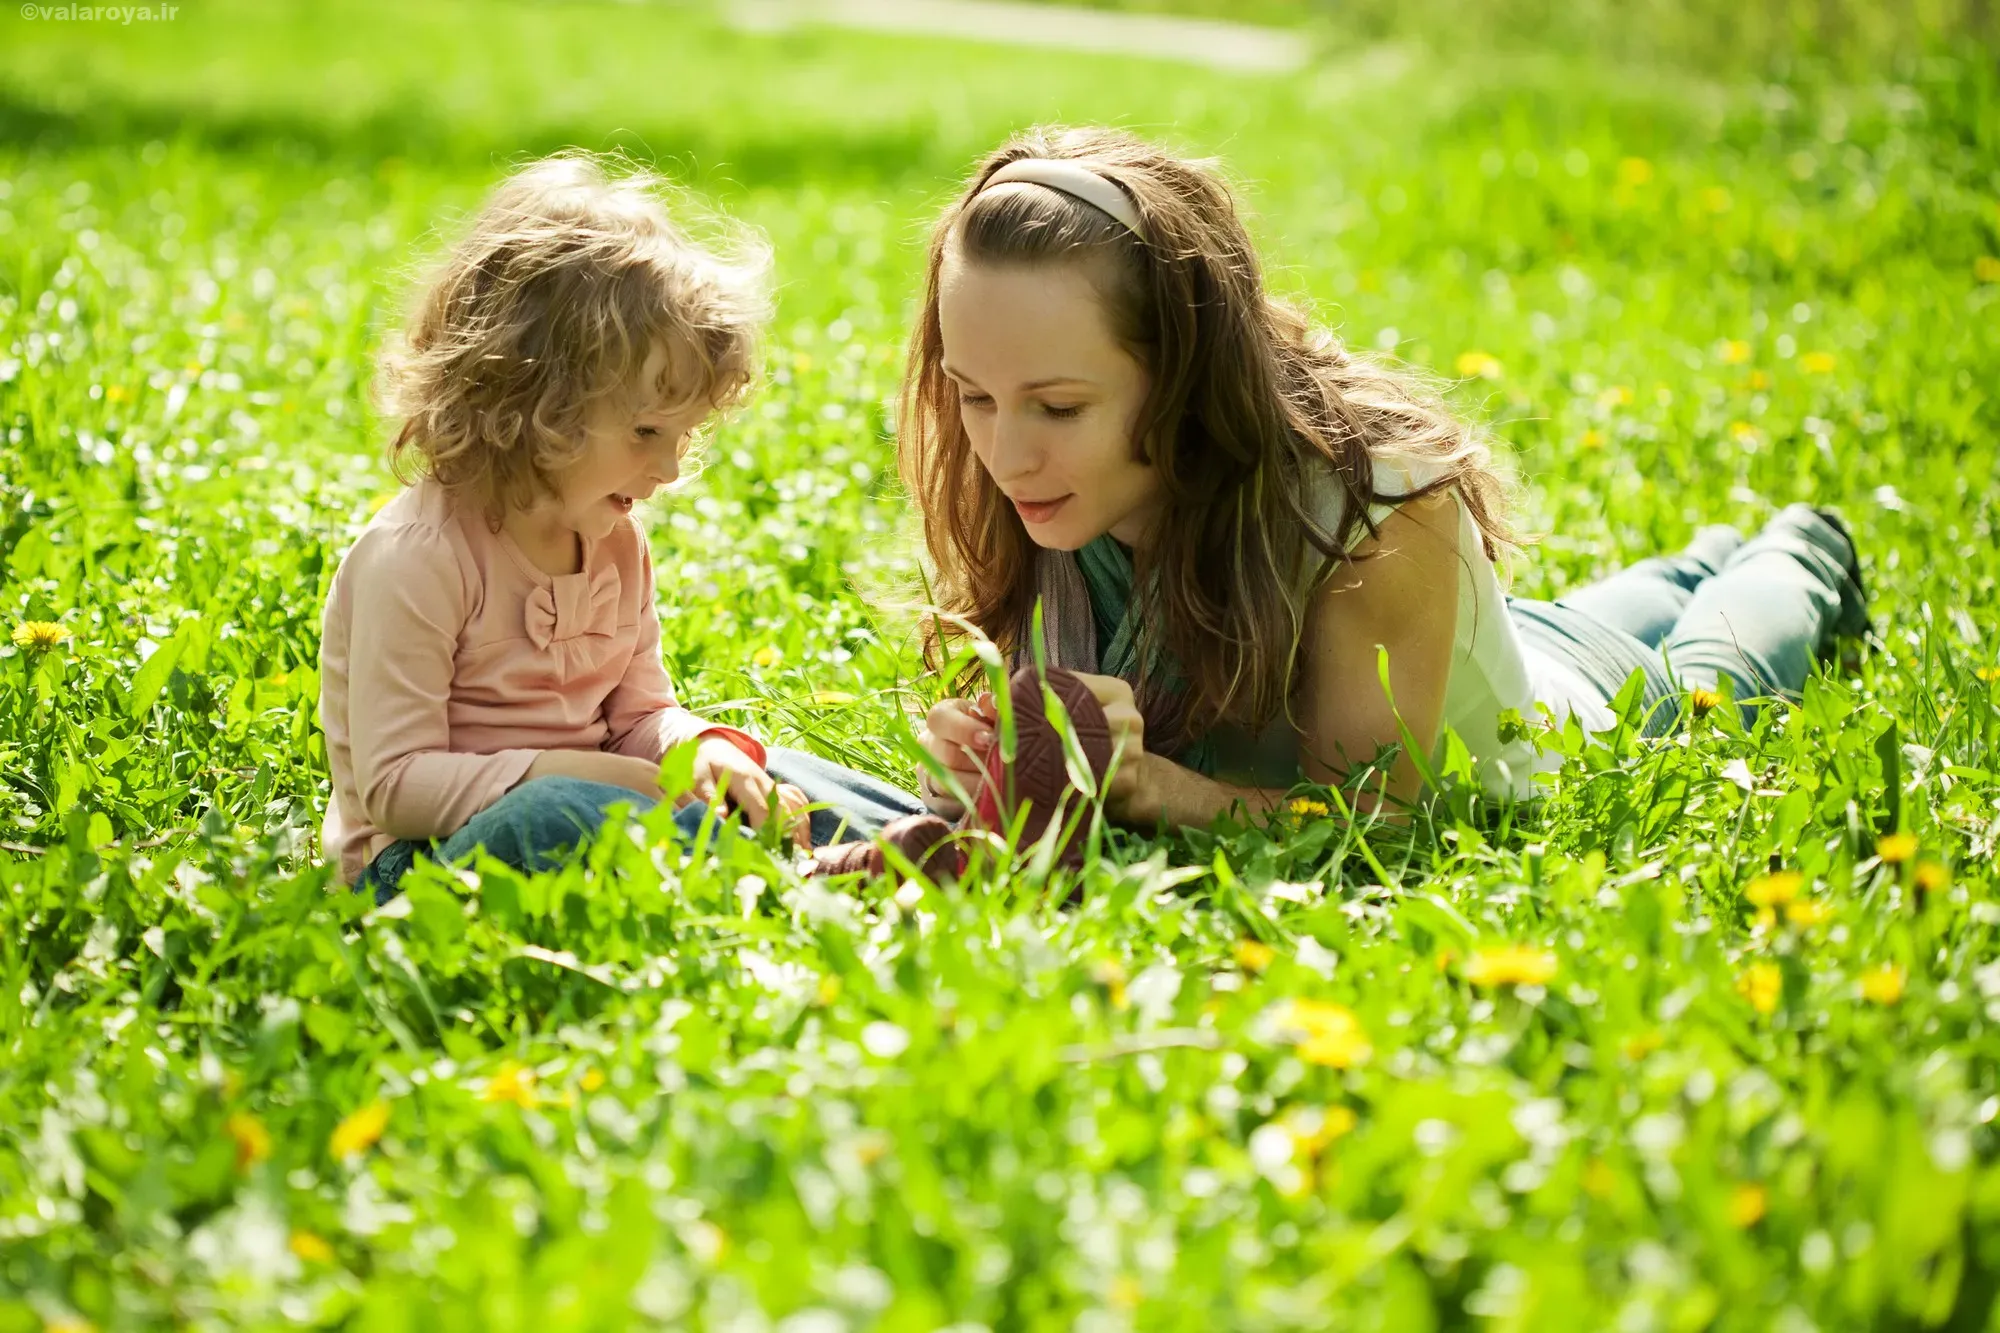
1224	513
491	662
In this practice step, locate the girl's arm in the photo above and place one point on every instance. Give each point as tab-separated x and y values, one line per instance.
406	603
644	718
1401	594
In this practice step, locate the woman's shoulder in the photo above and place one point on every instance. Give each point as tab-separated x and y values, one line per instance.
1392	476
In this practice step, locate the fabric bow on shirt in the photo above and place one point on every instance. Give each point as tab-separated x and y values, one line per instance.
571	606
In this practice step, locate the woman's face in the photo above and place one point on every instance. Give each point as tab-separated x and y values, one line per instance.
1049	398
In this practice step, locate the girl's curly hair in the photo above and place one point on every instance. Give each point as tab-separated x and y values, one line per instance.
571	274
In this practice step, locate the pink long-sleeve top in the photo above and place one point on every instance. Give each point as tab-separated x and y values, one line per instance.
449	660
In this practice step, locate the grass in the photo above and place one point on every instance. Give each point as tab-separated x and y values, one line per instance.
699	1092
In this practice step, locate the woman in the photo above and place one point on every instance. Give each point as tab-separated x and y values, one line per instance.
1226	515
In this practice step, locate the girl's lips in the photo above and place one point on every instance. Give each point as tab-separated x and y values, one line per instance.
1039	511
623	503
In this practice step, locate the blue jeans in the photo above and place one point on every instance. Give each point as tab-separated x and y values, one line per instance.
1757	612
534	826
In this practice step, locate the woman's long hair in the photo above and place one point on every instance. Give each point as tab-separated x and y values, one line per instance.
1247	400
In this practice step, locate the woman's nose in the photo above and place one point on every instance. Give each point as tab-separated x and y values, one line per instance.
1015	452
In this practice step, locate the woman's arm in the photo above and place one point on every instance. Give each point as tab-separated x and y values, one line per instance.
1402	595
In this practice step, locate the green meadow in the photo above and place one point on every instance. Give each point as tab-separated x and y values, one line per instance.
1707	1038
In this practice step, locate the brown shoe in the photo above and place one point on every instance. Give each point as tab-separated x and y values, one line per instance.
922	839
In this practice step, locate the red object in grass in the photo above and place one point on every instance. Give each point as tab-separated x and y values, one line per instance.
1038	780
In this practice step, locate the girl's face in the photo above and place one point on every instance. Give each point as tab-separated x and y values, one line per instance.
1049	398
632	447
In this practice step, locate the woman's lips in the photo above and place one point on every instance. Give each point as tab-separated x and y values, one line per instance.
1039	511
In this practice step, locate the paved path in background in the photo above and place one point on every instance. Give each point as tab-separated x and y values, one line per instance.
1239	47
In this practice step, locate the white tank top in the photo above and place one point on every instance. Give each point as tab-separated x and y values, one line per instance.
1492	669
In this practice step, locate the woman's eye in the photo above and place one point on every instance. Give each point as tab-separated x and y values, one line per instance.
974	400
1063	413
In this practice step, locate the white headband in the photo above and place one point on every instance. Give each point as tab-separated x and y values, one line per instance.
1074	180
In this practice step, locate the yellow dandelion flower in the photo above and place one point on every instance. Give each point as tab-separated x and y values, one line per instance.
1989	674
1634	171
767	656
1313	1127
1326	1034
1986	268
1761	984
359	1131
1598	1178
1897	848
832	697
1478	365
1734	351
1817	363
1510	965
41	635
592	1080
1716	199
1254	955
1640	1044
1758	379
1742	432
1808	912
69	1323
1774	890
311	1247
829	990
253	1141
117	393
1125	1292
1618	395
1931	876
1883	984
870	1147
1703	702
1306	807
1592	439
1110	974
514	1083
1747	1205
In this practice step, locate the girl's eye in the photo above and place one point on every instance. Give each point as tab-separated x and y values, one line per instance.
649	432
1063	413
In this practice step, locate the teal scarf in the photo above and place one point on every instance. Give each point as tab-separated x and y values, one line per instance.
1090	623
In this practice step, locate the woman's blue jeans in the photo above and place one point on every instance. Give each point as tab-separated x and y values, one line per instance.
1756	612
536	824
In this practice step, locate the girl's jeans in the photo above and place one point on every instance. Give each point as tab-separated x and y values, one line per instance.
1756	612
535	824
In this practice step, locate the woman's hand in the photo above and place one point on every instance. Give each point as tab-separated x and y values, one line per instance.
1130	798
958	733
724	772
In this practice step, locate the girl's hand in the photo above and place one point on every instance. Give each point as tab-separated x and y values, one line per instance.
958	733
721	771
1130	797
